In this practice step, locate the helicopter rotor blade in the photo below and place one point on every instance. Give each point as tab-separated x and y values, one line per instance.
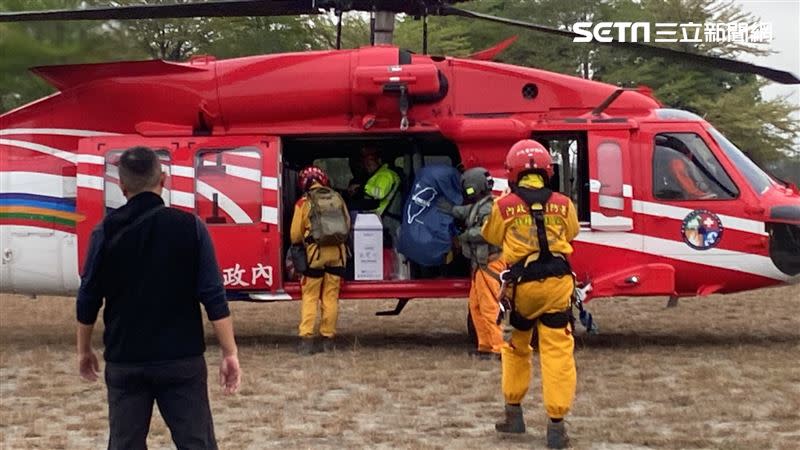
715	62
223	8
218	8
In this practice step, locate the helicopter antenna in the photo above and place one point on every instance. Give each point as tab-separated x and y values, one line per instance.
608	101
339	29
372	26
424	29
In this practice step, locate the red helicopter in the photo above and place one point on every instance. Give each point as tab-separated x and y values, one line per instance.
668	206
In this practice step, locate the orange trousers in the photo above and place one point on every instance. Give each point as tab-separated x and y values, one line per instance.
483	307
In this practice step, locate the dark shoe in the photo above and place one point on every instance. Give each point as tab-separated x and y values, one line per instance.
306	346
328	345
557	435
513	423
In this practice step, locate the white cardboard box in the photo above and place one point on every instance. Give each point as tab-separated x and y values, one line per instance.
368	247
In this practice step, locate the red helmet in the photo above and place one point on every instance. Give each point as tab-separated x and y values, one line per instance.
311	174
528	156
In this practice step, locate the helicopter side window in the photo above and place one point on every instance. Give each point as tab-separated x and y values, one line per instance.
228	185
112	192
684	168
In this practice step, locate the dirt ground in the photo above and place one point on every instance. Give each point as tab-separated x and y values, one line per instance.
717	372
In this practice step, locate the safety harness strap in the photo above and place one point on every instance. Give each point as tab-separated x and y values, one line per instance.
546	265
559	319
319	273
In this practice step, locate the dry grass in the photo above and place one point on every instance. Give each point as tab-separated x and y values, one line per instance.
718	372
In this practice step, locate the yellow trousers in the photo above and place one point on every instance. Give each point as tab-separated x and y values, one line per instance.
483	307
322	292
556	346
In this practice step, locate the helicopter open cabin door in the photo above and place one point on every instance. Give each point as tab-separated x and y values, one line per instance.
236	193
231	183
610	187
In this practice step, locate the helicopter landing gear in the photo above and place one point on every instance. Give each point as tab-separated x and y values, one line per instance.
672	302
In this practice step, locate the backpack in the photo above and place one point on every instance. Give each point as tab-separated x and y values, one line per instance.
328	217
426	233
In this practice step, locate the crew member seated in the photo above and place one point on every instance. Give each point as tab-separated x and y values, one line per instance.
679	179
377	191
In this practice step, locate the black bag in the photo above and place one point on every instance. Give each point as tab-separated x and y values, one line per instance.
297	255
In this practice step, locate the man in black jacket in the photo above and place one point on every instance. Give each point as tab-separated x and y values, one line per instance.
154	265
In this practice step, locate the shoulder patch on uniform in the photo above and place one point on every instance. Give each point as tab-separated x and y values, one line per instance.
511	205
559	198
558	204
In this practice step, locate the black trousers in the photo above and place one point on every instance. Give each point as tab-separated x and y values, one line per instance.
180	389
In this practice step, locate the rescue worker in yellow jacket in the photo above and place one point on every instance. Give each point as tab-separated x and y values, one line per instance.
534	226
321	223
477	185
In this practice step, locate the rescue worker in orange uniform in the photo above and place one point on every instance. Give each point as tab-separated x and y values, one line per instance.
485	258
683	170
321	282
534	227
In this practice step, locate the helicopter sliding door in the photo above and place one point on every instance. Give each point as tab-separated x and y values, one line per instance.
230	182
610	188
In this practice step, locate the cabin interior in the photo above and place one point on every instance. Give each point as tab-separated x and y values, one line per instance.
406	154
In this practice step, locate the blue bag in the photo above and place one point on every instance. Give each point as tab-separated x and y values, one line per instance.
426	234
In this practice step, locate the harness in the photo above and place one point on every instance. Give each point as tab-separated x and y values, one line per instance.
319	273
480	253
545	266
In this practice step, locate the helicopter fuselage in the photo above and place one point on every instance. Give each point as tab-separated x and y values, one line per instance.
667	205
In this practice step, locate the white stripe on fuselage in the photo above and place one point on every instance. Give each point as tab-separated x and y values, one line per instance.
714	257
37	183
58	153
270	183
269	214
90	182
91	159
56	132
678	213
225	203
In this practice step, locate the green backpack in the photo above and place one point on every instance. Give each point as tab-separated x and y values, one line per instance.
328	217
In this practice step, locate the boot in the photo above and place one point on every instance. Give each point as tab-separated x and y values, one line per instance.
557	435
306	346
513	423
328	345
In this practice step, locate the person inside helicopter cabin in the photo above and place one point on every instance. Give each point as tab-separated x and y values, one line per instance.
677	173
320	226
534	227
376	190
485	260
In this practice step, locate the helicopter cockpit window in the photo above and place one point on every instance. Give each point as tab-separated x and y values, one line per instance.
757	178
228	185
112	192
684	168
